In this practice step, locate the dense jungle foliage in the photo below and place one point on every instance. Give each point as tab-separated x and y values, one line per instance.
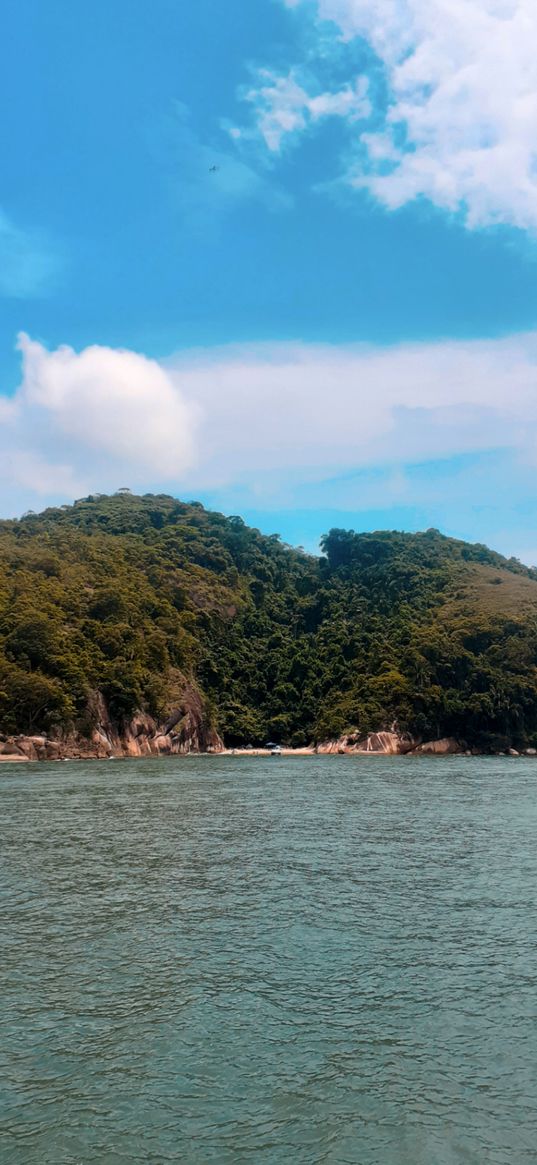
129	595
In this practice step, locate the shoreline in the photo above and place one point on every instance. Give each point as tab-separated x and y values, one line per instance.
307	751
264	753
125	745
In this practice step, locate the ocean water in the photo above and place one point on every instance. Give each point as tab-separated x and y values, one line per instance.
238	960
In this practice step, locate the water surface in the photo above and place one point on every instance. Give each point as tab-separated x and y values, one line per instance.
296	960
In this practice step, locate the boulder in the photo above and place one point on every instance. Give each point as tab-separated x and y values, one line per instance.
328	746
447	746
390	743
9	748
32	747
27	749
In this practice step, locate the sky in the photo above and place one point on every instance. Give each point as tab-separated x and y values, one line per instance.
279	256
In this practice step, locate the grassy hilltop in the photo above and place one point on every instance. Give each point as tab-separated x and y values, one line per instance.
134	597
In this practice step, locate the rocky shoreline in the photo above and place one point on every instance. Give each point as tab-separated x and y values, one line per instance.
402	744
185	730
383	744
143	737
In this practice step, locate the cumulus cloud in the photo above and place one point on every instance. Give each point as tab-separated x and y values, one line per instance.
84	420
459	126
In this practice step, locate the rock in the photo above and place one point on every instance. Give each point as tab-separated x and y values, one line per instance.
132	746
28	749
512	752
9	748
38	744
328	746
387	743
530	752
447	746
102	745
163	744
140	737
142	725
31	747
390	743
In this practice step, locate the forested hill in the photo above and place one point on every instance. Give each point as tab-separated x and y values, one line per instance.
134	597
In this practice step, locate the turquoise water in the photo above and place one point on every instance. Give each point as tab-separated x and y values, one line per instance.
256	960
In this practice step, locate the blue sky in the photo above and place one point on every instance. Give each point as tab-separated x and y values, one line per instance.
334	326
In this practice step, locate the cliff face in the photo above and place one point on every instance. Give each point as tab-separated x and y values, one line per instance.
185	730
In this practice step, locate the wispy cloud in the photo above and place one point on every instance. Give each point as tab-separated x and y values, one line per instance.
29	266
459	125
208	180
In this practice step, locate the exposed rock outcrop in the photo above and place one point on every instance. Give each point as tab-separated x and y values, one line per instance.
448	746
186	728
391	743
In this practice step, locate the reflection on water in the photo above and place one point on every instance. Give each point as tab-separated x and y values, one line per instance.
241	960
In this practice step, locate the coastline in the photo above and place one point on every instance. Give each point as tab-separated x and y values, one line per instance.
25	750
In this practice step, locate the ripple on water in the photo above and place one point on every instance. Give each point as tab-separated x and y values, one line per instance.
242	960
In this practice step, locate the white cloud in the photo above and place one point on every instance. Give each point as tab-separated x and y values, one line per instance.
269	424
284	107
86	420
307	412
460	126
28	266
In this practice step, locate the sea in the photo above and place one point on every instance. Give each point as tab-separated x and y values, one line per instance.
275	961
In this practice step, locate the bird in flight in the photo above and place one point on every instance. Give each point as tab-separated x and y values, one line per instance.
213	169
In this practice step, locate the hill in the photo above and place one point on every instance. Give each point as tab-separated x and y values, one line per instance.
123	607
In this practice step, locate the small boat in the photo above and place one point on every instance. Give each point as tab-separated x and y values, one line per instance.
274	749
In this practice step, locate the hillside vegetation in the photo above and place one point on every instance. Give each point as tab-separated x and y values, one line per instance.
134	597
